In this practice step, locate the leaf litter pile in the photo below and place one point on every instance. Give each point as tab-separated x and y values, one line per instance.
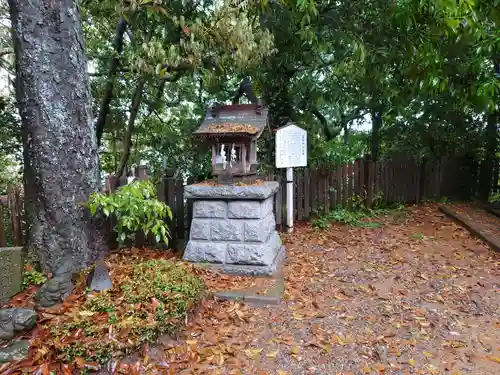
418	295
228	127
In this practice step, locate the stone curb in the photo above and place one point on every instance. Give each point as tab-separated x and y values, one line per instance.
240	296
471	227
491	209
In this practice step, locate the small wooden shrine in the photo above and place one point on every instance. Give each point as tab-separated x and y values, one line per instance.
232	130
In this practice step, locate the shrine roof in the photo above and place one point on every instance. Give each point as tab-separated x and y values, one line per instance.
244	120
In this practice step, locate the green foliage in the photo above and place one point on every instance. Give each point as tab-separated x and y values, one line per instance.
135	208
32	277
148	299
343	216
495	197
358	213
336	151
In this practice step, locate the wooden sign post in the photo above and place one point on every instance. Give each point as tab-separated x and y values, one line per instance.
291	152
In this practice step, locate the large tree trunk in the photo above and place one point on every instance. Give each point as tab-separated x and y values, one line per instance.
60	148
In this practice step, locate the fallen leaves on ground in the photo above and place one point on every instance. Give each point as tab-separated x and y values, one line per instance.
357	301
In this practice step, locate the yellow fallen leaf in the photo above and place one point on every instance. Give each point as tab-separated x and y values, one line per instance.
298	316
412	362
326	347
429	355
494	359
295	350
366	370
253	352
272	354
86	313
281	372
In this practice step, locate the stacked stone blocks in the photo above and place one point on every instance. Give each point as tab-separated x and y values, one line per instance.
236	233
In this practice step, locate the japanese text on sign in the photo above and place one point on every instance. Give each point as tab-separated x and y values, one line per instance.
291	147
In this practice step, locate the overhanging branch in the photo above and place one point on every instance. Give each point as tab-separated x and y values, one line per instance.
108	91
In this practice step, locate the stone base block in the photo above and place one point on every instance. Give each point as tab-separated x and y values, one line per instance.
250	270
254	254
205	252
11	272
234	228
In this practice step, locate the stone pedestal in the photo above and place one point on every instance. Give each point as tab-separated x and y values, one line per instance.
234	228
11	272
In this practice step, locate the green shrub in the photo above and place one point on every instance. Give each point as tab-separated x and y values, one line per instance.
147	299
495	197
135	208
340	215
32	277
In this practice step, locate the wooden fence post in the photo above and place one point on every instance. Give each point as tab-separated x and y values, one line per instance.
369	179
421	180
179	202
3	240
170	201
189	208
15	209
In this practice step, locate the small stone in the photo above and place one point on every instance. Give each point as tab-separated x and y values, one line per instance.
15	351
6	331
24	319
14	320
55	290
98	279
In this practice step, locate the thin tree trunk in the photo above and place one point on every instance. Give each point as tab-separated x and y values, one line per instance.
61	167
324	124
376	126
112	70
346	133
127	140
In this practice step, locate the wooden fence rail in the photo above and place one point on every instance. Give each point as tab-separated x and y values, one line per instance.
360	183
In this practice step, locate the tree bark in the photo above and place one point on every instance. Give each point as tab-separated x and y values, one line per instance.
108	91
375	139
61	166
127	140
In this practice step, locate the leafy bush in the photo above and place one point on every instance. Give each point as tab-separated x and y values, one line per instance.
340	215
135	208
495	197
356	215
148	299
32	277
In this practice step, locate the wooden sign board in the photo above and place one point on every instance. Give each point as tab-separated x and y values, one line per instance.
291	147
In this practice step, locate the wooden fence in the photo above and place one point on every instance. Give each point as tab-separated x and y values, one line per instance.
11	214
363	182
